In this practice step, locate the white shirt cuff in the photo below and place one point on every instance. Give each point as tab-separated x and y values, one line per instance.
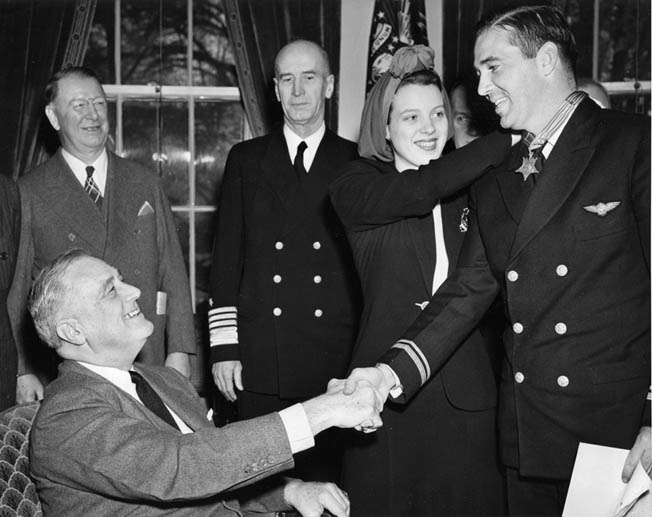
297	428
397	389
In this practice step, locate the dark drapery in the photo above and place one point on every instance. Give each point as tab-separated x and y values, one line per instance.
258	29
37	37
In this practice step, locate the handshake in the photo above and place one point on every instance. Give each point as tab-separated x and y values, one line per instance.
355	402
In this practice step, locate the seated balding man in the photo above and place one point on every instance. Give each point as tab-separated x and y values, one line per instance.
97	449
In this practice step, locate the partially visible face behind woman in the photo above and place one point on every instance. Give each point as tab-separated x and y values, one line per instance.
418	125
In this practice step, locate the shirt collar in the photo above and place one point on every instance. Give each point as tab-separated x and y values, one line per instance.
78	168
293	140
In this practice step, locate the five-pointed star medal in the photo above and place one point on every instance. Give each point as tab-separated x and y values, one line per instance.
528	166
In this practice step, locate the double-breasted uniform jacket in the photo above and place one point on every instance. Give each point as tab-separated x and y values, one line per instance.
133	231
9	232
571	262
400	469
96	450
281	258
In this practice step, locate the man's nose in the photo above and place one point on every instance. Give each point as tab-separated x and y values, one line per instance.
297	88
483	85
129	291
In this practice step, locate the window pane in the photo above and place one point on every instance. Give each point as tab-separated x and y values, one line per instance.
579	14
101	42
213	61
631	103
620	58
204	223
218	125
154	40
163	149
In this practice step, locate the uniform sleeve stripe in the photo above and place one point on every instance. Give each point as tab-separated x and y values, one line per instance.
223	326
224	337
419	360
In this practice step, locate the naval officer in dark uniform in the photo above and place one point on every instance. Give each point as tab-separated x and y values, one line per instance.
284	293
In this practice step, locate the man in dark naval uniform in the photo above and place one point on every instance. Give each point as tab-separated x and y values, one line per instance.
284	293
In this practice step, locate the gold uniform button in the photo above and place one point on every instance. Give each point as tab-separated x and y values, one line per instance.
518	328
277	279
512	276
318	313
519	377
316	245
560	328
278	245
562	270
317	279
563	381
277	311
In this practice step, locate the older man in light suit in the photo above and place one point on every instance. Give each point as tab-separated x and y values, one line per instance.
87	197
114	437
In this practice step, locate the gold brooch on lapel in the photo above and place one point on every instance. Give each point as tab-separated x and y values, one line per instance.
601	209
464	221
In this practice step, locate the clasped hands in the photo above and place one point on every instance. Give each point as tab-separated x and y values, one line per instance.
378	380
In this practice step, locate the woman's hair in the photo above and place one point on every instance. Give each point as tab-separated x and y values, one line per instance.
426	78
410	65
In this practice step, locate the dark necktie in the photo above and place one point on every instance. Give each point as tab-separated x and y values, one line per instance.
91	187
151	400
298	161
533	158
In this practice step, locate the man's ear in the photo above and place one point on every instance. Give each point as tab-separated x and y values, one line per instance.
330	86
52	117
71	332
278	97
548	58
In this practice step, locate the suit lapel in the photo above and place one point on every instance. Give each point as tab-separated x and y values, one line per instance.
564	168
278	171
123	198
178	401
314	187
66	197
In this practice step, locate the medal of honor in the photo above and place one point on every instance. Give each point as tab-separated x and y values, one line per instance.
528	166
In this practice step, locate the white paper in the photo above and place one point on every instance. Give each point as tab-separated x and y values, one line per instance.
596	488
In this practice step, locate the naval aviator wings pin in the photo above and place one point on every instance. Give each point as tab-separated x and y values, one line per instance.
601	209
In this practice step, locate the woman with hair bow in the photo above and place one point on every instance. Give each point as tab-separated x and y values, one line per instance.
436	454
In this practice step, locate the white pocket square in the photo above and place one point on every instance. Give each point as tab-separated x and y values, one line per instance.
145	209
602	209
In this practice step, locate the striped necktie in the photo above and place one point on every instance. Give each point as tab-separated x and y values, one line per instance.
91	187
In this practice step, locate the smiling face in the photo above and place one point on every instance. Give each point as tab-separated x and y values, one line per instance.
510	81
302	85
418	125
79	114
101	315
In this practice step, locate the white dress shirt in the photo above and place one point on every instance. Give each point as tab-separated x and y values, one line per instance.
79	169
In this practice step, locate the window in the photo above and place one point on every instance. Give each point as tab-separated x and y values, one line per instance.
169	73
613	38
